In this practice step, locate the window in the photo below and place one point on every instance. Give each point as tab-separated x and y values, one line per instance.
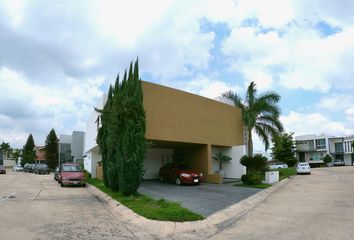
338	147
321	143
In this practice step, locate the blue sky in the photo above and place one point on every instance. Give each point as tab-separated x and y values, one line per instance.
57	59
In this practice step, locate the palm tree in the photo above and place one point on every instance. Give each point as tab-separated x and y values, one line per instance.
260	113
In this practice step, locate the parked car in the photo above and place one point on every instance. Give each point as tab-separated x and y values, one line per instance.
71	174
29	167
2	169
303	168
278	166
41	169
56	172
17	168
338	162
180	174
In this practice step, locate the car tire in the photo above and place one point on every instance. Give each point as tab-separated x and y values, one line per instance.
84	185
62	185
161	179
178	181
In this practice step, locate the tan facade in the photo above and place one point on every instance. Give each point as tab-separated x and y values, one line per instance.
191	124
177	116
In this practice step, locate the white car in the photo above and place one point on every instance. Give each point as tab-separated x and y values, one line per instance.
303	168
278	166
17	168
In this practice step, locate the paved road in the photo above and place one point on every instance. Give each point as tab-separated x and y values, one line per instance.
36	207
320	206
204	199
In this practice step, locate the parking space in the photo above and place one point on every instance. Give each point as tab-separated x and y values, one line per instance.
204	199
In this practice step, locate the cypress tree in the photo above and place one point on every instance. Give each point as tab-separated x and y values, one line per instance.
51	149
28	152
121	137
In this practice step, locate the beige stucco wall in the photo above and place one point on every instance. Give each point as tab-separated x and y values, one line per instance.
174	115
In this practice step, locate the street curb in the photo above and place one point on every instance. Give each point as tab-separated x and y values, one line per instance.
207	227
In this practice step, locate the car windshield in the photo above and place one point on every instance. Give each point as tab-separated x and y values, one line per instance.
303	164
71	168
183	167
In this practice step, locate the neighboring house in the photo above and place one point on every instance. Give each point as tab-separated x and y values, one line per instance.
40	154
182	127
6	159
71	147
313	148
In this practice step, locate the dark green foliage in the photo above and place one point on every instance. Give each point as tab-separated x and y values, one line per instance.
327	159
5	148
283	149
122	135
51	149
221	158
256	164
16	154
251	178
28	152
260	113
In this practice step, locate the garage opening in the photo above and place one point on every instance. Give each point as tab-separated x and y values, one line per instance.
162	152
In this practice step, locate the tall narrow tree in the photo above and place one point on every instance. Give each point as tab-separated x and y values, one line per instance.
260	113
51	149
28	152
121	136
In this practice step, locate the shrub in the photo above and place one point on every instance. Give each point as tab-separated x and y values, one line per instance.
291	162
255	164
251	179
327	159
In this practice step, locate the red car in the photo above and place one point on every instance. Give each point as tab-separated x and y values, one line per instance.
180	174
2	169
71	174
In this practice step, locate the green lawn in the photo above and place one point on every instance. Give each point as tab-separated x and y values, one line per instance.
261	185
286	172
150	208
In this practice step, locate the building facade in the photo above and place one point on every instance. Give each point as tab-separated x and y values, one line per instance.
182	127
313	148
71	147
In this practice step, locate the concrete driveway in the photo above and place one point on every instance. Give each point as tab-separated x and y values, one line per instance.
204	199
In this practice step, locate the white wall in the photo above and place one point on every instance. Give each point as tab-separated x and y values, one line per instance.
348	159
155	159
91	126
233	169
9	163
91	160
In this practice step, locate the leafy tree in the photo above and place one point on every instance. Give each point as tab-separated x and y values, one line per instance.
5	148
283	149
16	155
28	152
260	113
51	149
121	137
221	158
327	159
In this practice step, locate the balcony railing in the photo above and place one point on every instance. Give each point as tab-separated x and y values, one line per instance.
304	148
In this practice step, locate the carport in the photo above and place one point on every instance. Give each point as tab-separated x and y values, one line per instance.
198	156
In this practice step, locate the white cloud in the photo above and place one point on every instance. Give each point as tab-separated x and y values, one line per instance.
37	108
336	102
209	87
314	123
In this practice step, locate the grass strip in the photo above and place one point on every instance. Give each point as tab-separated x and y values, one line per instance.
148	207
286	172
